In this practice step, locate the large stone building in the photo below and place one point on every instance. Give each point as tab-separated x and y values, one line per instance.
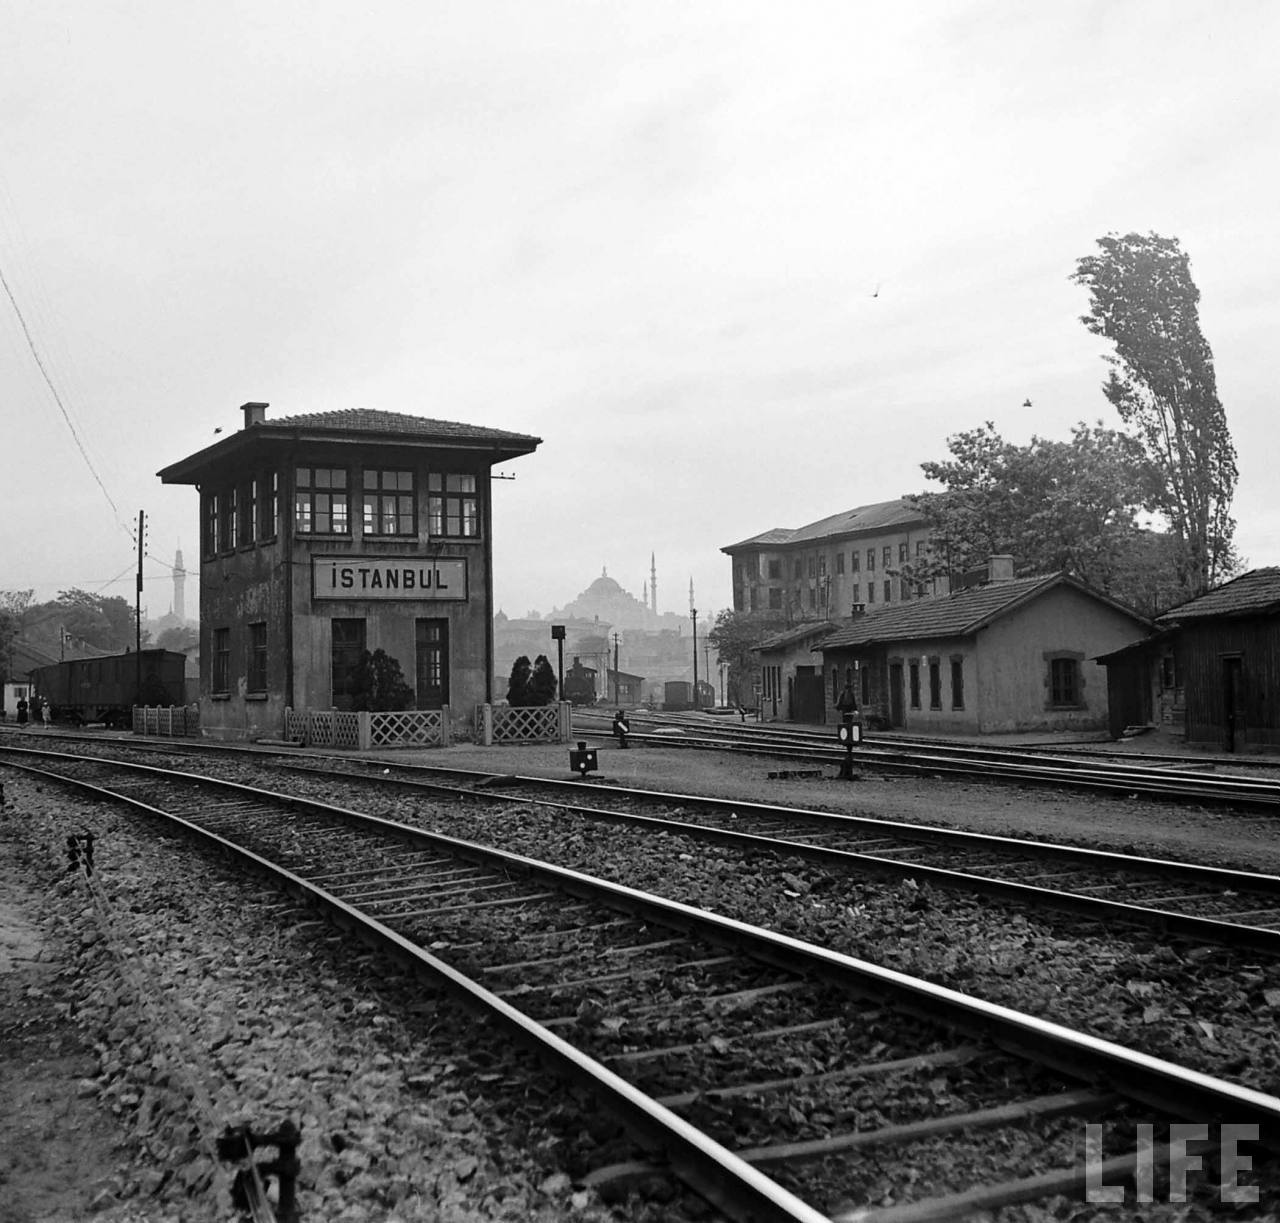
823	570
328	534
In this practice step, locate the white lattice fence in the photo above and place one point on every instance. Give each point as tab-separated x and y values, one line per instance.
409	728
536	724
168	720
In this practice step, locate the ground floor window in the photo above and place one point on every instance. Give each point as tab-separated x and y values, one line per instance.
935	684
1064	681
257	680
346	649
222	660
913	672
957	683
431	640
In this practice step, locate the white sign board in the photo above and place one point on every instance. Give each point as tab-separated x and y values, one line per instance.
388	577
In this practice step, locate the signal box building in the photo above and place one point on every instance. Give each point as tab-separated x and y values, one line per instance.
328	534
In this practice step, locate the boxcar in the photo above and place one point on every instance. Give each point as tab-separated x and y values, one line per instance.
106	689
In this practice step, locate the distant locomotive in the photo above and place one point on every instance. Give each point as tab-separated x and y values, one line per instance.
579	684
105	689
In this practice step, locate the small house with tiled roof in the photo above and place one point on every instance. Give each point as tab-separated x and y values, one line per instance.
1211	669
824	569
791	674
1009	654
328	534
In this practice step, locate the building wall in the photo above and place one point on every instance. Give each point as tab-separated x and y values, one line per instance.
1202	651
819	579
1014	654
271	583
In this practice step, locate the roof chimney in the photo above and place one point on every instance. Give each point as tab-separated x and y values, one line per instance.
856	610
1000	569
254	413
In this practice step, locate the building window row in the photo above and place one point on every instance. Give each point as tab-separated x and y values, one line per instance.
247	513
242	515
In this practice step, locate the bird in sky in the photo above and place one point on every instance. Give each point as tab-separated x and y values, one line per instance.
1026	403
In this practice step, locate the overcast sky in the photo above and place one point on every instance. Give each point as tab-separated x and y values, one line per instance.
650	233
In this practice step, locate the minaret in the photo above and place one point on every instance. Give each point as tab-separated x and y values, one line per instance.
691	603
653	582
179	580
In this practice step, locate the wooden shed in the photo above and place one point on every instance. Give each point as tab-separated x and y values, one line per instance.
1226	650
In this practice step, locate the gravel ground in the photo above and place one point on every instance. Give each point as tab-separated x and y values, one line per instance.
372	1067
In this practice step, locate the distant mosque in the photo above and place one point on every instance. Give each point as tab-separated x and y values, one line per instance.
605	600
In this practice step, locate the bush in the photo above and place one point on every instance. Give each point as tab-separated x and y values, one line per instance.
380	684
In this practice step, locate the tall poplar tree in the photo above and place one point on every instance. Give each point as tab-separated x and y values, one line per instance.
1162	383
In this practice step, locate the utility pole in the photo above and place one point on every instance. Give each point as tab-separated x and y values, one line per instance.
617	678
137	615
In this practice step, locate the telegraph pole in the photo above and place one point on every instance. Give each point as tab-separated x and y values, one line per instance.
137	616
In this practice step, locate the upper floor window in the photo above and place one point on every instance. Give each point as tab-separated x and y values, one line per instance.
321	501
902	552
775	597
871	560
854	560
839	563
226	519
246	512
209	525
453	506
388	503
887	555
775	569
813	566
888	590
268	504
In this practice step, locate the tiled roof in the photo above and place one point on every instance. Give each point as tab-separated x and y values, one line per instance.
812	628
955	615
879	516
1254	593
371	420
775	535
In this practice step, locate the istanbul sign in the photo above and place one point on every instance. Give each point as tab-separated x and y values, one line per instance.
388	577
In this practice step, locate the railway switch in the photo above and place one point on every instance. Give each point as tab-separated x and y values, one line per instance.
583	759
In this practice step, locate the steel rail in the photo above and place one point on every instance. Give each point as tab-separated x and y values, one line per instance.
1173	1089
1101	909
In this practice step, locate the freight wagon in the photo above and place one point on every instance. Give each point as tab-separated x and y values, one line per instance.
106	689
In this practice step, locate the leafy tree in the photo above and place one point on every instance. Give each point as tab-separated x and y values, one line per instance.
1162	383
380	684
518	684
106	622
732	636
542	683
180	638
1053	506
13	604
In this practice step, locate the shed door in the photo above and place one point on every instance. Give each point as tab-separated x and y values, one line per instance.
432	641
809	699
346	649
1233	701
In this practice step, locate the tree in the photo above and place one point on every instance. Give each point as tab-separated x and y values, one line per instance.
1053	506
380	684
109	623
180	638
542	683
733	636
1162	383
13	604
518	684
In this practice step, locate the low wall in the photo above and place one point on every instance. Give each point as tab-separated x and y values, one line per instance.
166	720
363	731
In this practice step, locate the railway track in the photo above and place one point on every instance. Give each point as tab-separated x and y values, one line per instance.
1176	779
1203	903
764	1068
